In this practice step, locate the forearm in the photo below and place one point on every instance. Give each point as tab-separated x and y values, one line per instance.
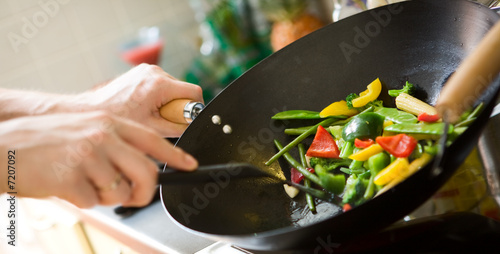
4	169
6	138
16	103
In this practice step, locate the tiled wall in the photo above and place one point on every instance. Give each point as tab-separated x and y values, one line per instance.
69	46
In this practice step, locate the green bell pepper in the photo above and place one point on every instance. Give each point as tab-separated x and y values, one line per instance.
375	163
378	162
362	126
334	183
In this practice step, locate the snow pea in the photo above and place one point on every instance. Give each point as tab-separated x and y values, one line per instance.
362	126
419	128
396	116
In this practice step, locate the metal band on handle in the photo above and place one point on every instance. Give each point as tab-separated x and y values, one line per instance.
182	111
192	110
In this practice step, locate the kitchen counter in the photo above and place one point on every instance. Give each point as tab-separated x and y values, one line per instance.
149	230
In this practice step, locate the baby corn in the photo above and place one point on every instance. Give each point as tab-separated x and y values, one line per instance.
413	105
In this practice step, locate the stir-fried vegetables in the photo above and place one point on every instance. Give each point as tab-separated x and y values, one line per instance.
362	148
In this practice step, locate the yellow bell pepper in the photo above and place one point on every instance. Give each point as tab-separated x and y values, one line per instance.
338	108
414	166
398	167
366	153
388	123
388	133
370	94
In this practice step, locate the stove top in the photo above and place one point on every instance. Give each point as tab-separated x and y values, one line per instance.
459	232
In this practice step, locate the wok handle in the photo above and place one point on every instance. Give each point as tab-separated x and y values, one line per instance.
182	111
471	78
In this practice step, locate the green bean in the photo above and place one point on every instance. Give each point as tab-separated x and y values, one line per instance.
296	114
309	198
301	130
370	189
299	139
475	113
297	131
308	175
302	154
347	150
307	182
355	165
465	123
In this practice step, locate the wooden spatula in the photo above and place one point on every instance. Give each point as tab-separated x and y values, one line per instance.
471	78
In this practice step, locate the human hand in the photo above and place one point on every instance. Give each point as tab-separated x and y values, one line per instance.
139	94
77	157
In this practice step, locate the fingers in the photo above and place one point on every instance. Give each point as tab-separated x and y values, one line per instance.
108	182
87	197
168	129
174	88
125	150
184	90
79	191
129	154
138	169
149	142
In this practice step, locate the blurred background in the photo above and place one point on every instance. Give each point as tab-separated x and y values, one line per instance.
68	46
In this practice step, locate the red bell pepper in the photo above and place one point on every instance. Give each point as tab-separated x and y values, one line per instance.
424	117
346	207
400	145
296	176
323	145
363	143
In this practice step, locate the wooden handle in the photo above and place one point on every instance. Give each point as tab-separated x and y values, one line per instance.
174	111
471	78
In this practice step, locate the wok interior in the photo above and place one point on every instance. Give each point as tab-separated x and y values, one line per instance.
423	44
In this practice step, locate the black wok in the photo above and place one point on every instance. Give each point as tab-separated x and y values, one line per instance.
419	41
